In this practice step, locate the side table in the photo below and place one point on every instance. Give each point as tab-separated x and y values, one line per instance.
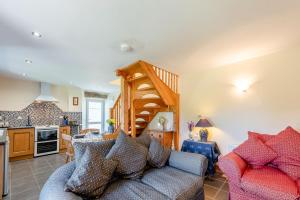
208	149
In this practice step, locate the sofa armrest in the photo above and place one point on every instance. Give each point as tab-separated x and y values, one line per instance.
189	162
53	189
233	166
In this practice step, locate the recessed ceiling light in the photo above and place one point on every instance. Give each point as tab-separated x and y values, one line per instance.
36	34
28	61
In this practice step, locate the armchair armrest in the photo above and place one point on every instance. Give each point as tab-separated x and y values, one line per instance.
189	162
233	166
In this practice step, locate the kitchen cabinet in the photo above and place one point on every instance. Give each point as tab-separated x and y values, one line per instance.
21	142
63	130
164	137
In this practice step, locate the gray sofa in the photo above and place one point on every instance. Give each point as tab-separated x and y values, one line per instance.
181	179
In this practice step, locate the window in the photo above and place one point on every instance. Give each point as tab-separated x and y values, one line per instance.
95	114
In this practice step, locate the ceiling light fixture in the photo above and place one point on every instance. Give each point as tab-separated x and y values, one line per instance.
124	47
36	34
24	74
28	61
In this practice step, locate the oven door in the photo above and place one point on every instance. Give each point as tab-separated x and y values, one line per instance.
45	148
46	135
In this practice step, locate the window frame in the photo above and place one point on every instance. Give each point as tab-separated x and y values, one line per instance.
102	123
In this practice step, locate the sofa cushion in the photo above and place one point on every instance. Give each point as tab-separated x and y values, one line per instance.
255	152
287	145
158	155
131	190
91	175
144	139
131	156
174	183
103	147
263	137
269	183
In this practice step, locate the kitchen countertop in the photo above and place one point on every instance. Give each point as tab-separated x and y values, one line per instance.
20	127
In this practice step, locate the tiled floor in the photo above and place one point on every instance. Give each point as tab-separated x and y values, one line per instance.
216	188
28	177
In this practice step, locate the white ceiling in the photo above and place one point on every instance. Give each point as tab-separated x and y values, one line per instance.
80	43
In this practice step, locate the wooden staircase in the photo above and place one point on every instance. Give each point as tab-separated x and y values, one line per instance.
145	91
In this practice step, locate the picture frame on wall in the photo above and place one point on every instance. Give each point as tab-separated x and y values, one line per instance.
75	101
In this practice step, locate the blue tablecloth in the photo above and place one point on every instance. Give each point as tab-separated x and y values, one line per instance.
208	149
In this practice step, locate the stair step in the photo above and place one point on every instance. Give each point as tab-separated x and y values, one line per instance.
142	77
146	89
148	100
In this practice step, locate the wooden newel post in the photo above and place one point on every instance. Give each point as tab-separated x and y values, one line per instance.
124	105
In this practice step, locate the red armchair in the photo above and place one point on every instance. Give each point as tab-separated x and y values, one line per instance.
264	183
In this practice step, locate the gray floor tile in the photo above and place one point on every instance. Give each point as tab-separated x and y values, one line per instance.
214	182
210	191
222	195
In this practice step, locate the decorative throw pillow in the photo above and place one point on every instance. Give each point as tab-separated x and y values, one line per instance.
103	147
91	175
144	139
261	136
158	155
255	152
131	156
287	145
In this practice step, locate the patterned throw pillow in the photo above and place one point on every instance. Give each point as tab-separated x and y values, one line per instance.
158	155
261	136
91	175
130	155
102	147
255	152
144	139
287	145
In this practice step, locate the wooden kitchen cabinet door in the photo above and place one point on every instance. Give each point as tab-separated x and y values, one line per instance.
63	130
21	142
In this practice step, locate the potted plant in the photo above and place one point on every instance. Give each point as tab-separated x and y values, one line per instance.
111	125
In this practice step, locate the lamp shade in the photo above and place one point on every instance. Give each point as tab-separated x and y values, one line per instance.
203	123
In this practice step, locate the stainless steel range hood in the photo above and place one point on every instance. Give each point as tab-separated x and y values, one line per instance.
45	95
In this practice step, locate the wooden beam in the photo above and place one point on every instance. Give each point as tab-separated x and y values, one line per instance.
124	105
132	110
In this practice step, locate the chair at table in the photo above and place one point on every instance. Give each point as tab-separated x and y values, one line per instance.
70	151
89	130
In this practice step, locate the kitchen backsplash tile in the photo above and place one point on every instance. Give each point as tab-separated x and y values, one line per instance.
41	114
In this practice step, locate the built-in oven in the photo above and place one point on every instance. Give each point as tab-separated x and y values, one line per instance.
46	140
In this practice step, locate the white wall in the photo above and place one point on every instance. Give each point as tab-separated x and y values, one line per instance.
271	103
17	94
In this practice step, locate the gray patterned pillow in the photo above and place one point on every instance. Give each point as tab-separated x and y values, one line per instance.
131	156
103	147
144	139
91	175
158	155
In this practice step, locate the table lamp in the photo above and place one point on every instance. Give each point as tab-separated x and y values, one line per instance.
203	133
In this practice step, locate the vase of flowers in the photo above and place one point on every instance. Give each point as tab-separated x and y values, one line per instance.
111	125
191	125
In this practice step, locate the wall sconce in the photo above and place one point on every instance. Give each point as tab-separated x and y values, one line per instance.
242	85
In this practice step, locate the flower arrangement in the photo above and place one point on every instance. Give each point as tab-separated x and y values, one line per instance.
191	125
111	122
